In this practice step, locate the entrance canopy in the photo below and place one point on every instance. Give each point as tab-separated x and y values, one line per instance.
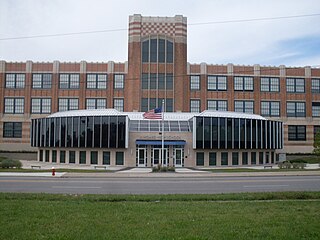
159	142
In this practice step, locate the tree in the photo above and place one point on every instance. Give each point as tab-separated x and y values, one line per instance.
316	144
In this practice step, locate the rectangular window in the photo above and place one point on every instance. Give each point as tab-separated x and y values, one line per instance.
315	109
42	80
62	156
106	158
296	109
118	104
243	83
15	80
97	81
212	159
260	157
119	158
14	105
96	103
72	157
235	158
217	105
94	157
195	82
315	85
83	157
295	85
118	81
224	159
270	108
217	83
54	156
200	159
269	84
296	133
195	106
40	105
67	104
12	129
244	158
69	81
244	106
253	158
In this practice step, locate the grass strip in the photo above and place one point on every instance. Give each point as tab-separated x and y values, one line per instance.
47	216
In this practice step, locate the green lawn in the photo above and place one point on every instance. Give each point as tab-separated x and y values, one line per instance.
222	216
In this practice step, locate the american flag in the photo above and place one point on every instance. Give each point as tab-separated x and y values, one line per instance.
153	114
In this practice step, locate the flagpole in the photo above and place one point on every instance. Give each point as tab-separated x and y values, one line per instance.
162	135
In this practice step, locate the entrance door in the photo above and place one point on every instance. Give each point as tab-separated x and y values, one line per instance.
157	159
142	155
178	156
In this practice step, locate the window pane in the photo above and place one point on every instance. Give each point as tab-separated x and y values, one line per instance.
145	51
195	106
118	81
102	81
153	50
195	82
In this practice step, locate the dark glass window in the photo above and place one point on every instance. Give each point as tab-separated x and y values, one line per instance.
105	132
214	133
212	159
315	109
200	159
89	131
106	158
72	157
94	157
58	132
47	152
254	134
242	133
82	131
236	133
113	132
54	156
153	50
62	156
145	51
169	52
296	133
244	158
199	132
83	157
224	159
259	129
69	131
235	158
222	133
119	158
248	133
97	128
63	132
260	157
75	141
253	158
207	132
160	51
52	126
229	132
12	129
41	155
121	132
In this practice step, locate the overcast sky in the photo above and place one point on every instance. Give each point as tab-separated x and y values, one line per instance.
292	42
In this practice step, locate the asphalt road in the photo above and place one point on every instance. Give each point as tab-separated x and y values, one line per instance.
159	185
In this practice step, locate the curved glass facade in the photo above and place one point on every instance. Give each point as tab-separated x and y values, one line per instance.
237	133
80	132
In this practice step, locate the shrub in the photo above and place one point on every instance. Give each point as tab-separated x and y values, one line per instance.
160	168
298	165
9	163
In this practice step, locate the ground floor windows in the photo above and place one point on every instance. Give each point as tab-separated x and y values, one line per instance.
260	157
54	156
72	157
244	158
82	157
119	158
62	156
212	159
94	157
200	159
12	130
253	158
224	159
235	158
106	158
47	158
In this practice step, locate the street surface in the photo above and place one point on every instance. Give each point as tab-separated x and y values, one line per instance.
141	185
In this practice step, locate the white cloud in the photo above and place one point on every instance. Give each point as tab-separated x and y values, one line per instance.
240	43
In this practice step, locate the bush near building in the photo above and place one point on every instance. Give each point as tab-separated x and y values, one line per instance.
9	163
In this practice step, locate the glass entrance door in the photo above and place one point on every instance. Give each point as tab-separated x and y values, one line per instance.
142	157
178	157
157	159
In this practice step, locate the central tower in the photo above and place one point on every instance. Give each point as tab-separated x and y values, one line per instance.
157	63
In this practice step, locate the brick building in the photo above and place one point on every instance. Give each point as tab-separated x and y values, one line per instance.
157	69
